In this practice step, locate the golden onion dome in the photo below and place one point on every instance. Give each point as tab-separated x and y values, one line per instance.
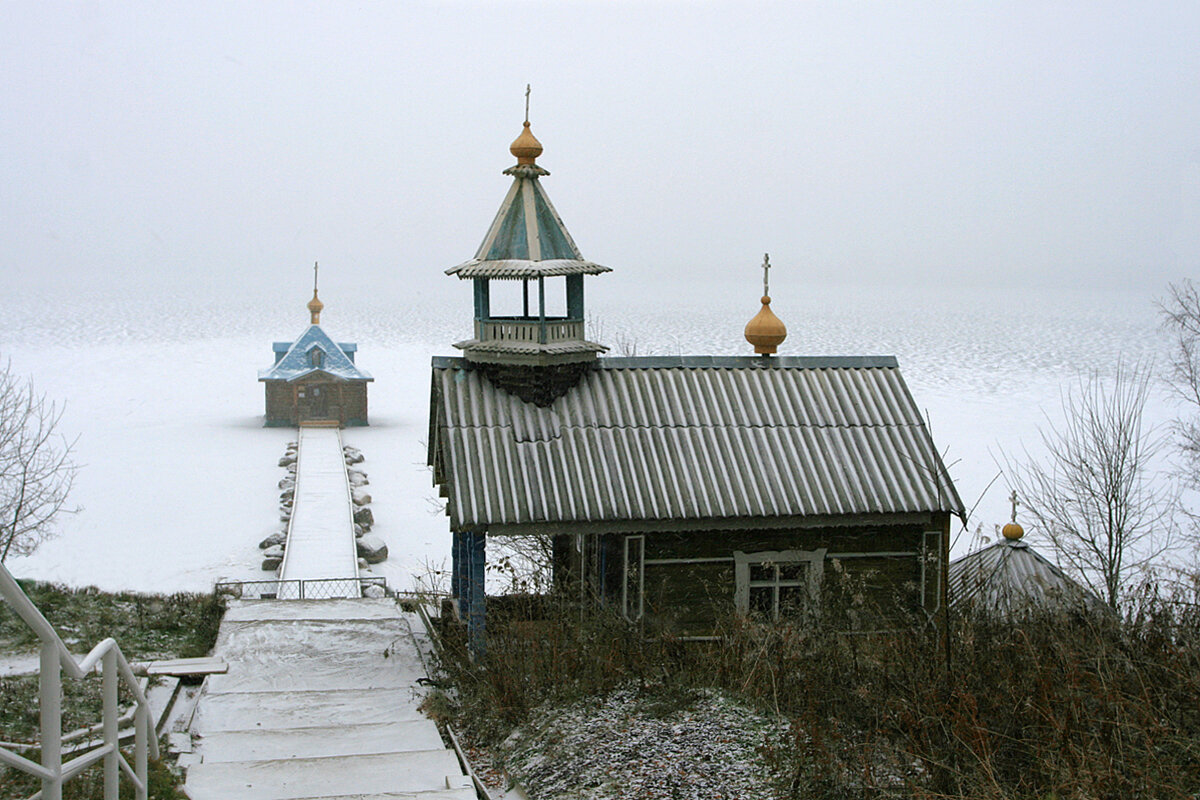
315	306
1012	531
526	147
766	331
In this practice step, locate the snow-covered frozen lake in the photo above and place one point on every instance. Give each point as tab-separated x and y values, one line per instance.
178	477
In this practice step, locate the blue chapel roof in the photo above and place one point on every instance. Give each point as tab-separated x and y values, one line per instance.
297	363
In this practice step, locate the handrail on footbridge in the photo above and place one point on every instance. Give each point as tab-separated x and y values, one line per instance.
306	589
56	659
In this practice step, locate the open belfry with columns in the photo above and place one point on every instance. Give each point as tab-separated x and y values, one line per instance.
676	490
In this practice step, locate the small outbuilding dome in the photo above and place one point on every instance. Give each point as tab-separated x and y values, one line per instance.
1012	531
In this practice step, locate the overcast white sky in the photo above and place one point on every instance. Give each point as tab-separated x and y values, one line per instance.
915	143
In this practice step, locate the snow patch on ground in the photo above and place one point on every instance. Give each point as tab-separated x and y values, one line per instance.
19	663
627	744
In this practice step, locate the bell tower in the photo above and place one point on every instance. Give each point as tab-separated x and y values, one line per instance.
527	243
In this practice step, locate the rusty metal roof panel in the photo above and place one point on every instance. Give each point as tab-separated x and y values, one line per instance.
665	439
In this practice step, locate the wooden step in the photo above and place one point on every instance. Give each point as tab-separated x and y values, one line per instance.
272	710
416	773
183	667
343	740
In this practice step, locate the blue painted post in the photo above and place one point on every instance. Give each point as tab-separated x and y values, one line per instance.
483	304
476	617
575	297
455	563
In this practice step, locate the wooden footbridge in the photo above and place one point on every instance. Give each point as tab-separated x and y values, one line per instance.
320	698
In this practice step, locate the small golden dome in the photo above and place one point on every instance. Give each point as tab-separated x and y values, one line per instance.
1012	531
526	147
315	306
766	331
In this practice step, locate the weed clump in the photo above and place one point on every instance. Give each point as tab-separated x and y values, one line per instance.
1048	704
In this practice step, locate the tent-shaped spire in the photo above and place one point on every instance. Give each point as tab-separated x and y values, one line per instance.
527	239
528	242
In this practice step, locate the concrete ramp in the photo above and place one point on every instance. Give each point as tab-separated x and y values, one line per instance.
320	701
320	542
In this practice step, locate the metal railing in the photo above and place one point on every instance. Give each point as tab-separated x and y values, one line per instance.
56	659
310	589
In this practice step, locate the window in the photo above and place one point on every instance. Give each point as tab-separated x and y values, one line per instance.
316	357
774	584
633	579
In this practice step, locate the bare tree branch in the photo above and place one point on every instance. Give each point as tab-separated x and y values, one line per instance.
36	469
1181	316
1097	496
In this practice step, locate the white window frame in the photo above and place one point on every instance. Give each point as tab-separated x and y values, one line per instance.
932	552
743	561
633	614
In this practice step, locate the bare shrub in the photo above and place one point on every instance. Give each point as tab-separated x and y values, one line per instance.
1097	496
1051	705
36	470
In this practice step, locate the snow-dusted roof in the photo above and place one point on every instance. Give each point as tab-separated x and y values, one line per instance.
1009	576
527	239
298	361
686	438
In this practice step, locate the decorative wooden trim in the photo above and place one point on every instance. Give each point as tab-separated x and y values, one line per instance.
928	553
741	571
641	577
713	524
659	562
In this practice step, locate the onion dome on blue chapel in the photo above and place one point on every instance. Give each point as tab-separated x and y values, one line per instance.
527	242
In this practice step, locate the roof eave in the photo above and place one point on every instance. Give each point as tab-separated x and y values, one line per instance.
524	269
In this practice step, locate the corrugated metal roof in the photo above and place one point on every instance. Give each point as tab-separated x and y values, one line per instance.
527	239
1009	576
297	363
674	439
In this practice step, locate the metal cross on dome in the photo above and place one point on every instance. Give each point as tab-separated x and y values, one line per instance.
1013	499
315	264
766	268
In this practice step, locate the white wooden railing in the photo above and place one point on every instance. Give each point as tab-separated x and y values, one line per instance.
555	329
56	659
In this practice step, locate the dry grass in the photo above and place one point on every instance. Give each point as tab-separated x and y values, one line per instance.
1049	706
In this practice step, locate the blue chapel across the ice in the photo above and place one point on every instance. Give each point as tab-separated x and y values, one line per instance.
315	380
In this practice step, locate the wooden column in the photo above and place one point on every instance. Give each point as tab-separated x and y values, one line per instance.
476	613
456	568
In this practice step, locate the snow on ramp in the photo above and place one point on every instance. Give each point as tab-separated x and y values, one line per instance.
320	700
320	541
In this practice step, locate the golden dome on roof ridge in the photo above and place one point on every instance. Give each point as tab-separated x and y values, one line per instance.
526	147
315	307
765	331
